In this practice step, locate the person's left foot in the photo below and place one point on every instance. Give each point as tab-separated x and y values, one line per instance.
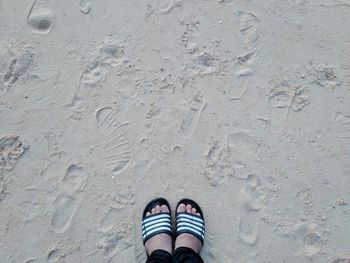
160	241
185	239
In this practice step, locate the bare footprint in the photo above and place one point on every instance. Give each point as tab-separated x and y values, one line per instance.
190	121
40	18
343	129
65	207
252	198
279	103
14	64
69	198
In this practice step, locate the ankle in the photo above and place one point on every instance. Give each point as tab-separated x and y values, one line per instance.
188	241
159	242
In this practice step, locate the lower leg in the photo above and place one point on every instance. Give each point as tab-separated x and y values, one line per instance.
187	246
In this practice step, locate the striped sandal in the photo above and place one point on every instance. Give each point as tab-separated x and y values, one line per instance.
190	223
156	223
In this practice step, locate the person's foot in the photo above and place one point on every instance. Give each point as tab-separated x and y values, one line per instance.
160	241
188	240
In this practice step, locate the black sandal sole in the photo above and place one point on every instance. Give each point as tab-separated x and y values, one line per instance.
153	203
187	201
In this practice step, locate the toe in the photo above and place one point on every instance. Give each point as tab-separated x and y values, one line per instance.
164	209
198	214
157	209
181	208
153	211
194	211
148	214
189	209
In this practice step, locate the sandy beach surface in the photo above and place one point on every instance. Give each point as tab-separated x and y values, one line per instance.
242	105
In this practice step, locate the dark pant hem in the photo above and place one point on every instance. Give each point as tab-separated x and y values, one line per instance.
186	255
159	256
181	255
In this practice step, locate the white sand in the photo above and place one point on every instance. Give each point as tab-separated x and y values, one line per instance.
241	105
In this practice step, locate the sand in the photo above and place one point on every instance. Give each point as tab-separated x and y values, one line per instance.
240	105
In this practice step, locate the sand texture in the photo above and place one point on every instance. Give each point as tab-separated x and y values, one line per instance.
243	106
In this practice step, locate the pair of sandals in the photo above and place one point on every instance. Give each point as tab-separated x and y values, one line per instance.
160	223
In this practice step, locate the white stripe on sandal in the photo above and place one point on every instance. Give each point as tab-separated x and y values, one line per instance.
191	224
156	224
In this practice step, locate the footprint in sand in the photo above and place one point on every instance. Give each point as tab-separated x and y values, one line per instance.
252	198
191	118
119	237
94	73
279	103
40	18
84	6
341	259
61	252
31	260
14	63
203	63
69	198
312	237
221	165
248	25
230	160
108	54
115	228
124	199
126	88
283	99
291	91
165	6
243	140
343	129
116	149
11	148
321	75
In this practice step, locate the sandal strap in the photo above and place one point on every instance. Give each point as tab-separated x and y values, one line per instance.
156	224
190	224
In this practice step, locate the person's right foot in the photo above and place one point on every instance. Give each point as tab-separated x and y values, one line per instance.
188	240
160	241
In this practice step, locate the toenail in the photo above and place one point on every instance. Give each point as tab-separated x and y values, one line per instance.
181	208
164	208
